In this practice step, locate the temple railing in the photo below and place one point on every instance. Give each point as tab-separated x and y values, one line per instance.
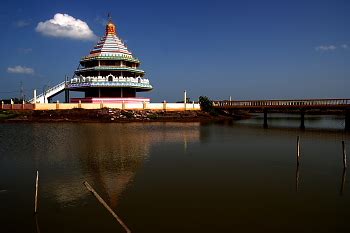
108	78
110	84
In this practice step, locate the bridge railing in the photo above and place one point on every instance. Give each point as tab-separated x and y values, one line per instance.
282	103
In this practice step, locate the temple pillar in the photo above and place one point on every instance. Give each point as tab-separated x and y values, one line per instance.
66	96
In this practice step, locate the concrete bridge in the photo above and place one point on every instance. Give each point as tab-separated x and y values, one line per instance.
301	106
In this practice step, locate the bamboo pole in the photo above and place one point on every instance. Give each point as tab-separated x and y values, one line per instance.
344	155
298	150
106	206
36	192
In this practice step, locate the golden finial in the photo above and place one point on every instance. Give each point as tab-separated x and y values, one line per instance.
110	27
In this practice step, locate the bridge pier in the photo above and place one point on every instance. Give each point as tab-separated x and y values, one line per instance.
265	119
302	120
347	121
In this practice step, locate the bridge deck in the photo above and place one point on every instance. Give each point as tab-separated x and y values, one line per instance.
284	104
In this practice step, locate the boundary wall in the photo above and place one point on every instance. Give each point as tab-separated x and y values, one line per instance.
125	106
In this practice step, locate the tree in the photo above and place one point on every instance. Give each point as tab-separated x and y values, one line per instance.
206	104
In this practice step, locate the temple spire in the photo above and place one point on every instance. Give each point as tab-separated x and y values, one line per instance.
110	27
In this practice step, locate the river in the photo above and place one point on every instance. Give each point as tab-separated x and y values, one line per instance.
175	177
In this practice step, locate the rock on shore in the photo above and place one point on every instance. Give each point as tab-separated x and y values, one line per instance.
107	115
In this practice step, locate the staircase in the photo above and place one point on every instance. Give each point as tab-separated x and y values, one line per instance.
55	90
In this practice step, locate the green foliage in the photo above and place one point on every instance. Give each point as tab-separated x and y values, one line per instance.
7	114
206	104
153	116
128	114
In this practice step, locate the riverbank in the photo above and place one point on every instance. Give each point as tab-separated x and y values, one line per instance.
112	115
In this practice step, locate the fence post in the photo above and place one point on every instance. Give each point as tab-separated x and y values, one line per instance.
123	105
11	104
144	105
79	104
101	104
2	104
22	104
164	105
34	96
57	104
185	99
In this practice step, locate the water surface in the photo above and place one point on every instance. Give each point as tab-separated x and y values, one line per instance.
173	177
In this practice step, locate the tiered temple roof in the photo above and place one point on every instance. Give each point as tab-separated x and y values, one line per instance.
110	64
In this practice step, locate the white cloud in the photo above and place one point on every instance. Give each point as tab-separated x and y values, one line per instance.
20	70
325	48
345	46
66	26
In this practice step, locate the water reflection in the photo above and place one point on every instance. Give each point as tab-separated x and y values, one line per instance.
217	177
109	157
343	182
297	179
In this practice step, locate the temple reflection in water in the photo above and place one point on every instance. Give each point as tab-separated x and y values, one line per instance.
109	155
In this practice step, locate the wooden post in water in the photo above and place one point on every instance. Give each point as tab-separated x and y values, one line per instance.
106	206
36	192
344	155
298	151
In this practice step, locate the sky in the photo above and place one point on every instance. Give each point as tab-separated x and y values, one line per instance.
246	49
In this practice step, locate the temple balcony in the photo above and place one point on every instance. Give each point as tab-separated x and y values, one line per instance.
110	57
109	81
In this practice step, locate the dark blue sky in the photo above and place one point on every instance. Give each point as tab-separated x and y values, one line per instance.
246	49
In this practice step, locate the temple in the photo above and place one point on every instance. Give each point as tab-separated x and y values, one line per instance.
110	73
